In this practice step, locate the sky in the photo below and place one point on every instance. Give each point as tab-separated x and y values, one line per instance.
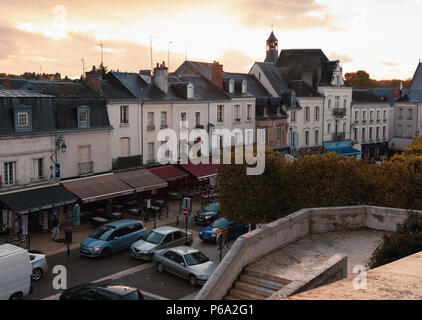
55	35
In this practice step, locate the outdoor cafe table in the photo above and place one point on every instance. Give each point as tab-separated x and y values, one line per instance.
117	215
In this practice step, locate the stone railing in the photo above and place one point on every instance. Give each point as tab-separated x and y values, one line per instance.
282	232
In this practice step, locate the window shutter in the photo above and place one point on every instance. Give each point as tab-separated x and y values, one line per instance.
289	139
296	137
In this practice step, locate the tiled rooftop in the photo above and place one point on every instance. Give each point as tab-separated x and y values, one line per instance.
21	93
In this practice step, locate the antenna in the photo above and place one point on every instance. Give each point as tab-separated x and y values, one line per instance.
83	66
168	58
150	45
102	53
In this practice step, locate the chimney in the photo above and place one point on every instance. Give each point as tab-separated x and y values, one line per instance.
307	78
6	83
93	79
161	77
217	74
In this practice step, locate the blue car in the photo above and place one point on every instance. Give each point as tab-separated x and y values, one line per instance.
208	214
234	230
112	237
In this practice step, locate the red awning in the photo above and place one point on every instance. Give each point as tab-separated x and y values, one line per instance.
169	173
142	180
201	171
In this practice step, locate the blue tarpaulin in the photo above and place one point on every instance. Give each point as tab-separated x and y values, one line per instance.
342	147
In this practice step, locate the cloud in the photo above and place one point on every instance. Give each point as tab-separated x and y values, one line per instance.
344	58
236	61
390	64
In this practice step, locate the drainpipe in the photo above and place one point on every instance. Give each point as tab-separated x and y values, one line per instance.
142	130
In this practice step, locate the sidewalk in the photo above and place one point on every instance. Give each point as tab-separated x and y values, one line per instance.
44	243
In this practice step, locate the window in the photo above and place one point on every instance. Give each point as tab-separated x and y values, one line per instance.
236	113
124	115
377	133
363	114
151	151
329	104
316	113
293	116
38	169
344	127
337	102
316	136
249	112
177	235
370	133
278	111
363	134
278	133
356	115
150	119
409	131
371	115
249	136
307	138
400	130
168	238
220	113
410	116
124	147
265	111
329	128
83	118
197	118
23	120
84	154
378	114
307	113
384	132
400	113
344	103
183	120
384	114
9	173
355	134
163	119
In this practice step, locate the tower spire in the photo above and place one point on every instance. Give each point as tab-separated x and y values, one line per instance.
272	48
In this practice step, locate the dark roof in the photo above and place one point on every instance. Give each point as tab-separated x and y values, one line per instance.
254	87
204	89
386	94
272	37
65	89
293	62
414	95
417	78
290	101
302	89
273	105
273	76
112	89
365	96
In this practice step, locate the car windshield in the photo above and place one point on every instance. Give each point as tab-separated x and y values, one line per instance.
154	237
192	259
101	231
211	207
131	296
220	223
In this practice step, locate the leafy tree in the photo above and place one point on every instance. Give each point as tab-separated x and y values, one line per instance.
103	70
406	241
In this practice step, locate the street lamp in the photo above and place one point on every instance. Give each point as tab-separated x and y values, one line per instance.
60	145
168	55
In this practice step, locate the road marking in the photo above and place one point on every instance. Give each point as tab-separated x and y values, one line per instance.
118	275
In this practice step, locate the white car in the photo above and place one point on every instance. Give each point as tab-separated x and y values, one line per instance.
39	264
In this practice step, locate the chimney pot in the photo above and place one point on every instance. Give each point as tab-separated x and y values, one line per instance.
217	74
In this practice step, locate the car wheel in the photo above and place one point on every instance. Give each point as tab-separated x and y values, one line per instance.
37	274
106	253
16	296
160	267
193	281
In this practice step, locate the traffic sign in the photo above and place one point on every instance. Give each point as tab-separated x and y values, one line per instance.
185	212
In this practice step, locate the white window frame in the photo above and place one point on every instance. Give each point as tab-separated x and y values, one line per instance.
23	119
9	173
124	115
220	113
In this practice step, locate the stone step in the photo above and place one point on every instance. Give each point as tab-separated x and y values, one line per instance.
261	282
254	288
245	295
265	276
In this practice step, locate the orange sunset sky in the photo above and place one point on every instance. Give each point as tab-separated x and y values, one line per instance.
52	36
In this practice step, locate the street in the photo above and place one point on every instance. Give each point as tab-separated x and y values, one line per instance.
122	269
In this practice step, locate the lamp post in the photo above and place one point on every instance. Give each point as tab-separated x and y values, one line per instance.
60	145
168	55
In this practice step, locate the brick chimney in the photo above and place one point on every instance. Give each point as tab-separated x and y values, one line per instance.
93	79
396	93
161	79
6	83
217	74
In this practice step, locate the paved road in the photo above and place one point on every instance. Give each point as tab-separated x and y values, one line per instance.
122	269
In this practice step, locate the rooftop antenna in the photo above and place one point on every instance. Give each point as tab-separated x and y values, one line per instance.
102	53
150	45
83	66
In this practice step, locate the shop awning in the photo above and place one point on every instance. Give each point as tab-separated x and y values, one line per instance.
33	200
97	188
201	171
142	180
169	173
347	151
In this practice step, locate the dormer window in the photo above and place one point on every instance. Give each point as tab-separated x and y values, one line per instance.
265	111
231	86
83	117
23	118
244	86
190	93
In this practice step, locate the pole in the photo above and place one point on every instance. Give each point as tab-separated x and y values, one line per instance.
150	45
68	250
186	234
155	224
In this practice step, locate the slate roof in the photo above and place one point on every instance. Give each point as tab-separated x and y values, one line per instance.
65	89
365	96
386	94
272	37
417	78
293	62
273	75
290	101
412	95
272	104
302	89
21	93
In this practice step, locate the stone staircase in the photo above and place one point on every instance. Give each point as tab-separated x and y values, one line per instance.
255	285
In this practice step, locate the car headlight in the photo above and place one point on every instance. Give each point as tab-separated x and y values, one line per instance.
213	235
200	233
96	249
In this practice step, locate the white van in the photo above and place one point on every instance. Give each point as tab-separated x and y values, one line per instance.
15	272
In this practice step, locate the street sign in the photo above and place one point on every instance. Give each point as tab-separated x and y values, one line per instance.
186	203
185	212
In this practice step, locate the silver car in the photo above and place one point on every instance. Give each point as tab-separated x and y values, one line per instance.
159	238
39	264
185	262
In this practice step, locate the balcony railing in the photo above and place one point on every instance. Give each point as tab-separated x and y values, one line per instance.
150	127
164	126
339	136
339	112
86	168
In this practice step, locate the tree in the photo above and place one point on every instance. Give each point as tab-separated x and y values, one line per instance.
103	70
406	241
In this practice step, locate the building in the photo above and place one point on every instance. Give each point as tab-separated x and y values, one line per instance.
372	119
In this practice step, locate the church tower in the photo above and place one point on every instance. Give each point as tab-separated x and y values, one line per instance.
272	49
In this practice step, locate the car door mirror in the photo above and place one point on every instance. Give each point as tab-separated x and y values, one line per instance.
182	264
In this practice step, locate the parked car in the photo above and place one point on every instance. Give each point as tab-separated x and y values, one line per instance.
112	237
234	230
39	264
208	214
15	273
175	195
159	238
185	262
99	292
